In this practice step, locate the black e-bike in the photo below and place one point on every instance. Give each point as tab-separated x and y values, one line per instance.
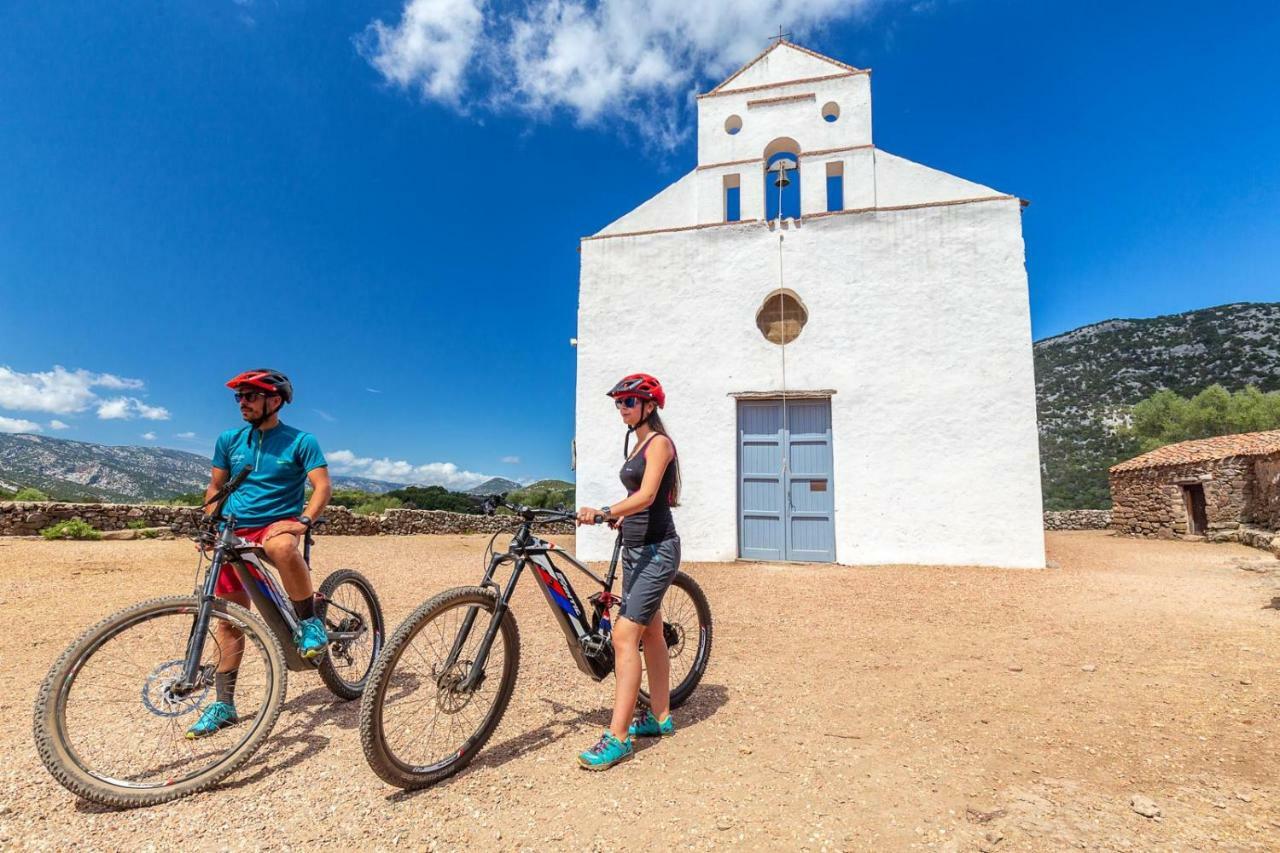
112	714
441	685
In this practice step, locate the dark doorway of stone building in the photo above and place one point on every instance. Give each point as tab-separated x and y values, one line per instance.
1197	518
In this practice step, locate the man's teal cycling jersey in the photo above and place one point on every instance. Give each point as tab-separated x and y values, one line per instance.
281	459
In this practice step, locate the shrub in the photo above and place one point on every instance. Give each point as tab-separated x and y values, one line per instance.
75	528
377	505
30	494
137	524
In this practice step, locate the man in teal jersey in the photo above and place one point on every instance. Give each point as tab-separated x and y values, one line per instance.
268	510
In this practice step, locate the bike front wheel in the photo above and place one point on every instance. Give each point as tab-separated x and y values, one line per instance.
352	615
112	715
419	721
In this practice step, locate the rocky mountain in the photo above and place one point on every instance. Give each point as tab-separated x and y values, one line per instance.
494	486
1088	379
77	470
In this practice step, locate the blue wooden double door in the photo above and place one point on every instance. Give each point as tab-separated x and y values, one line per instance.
786	502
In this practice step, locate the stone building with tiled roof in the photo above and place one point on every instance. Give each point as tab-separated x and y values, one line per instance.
1196	487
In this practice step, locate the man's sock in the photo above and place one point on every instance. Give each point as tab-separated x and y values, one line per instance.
224	684
306	608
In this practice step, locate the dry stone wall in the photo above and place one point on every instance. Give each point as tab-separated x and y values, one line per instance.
1266	494
1078	519
27	518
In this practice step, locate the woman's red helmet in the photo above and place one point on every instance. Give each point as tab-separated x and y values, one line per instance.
264	379
640	385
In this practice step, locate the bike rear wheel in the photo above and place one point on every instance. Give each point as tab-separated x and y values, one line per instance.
111	719
350	605
686	627
417	727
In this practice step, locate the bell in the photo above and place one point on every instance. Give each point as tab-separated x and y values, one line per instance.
780	170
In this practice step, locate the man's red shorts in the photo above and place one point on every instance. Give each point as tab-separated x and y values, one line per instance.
229	581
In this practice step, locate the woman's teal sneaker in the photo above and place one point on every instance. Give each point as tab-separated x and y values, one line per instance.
311	638
607	752
650	727
215	718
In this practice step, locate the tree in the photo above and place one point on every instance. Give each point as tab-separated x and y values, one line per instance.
1167	417
30	494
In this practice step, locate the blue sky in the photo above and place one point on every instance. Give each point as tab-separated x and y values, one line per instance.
385	200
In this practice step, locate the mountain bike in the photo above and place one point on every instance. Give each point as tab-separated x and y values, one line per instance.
111	715
441	685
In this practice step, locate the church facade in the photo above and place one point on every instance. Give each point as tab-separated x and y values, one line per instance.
843	335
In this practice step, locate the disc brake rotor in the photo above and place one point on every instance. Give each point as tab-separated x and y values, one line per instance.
160	696
449	698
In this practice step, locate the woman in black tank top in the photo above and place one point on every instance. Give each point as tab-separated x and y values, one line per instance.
650	559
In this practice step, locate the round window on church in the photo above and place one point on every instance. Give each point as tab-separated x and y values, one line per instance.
781	317
831	111
732	125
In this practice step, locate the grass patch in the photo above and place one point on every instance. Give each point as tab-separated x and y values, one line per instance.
75	528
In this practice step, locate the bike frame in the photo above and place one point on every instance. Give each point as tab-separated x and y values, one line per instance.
250	563
526	550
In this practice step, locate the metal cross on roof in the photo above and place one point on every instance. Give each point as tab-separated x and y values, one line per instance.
781	36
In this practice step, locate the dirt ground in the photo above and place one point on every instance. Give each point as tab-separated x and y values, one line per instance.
886	708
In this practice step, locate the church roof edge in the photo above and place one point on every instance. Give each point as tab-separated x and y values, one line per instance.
779	43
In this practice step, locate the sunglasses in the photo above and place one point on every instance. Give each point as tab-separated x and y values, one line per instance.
251	396
627	402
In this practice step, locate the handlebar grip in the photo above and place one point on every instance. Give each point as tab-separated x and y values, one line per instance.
599	518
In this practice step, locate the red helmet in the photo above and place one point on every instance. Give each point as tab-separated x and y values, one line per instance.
265	379
640	385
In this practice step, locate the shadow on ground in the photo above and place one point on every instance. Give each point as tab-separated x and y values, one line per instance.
705	702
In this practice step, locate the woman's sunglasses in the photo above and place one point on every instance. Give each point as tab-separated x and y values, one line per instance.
627	402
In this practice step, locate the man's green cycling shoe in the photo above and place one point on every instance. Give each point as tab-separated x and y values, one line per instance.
650	727
215	718
607	752
311	638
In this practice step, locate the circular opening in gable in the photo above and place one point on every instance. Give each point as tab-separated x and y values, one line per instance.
732	125
781	317
831	111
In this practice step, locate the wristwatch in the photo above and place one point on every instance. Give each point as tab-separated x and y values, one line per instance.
306	521
605	510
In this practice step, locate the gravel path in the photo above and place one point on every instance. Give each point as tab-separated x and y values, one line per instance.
884	708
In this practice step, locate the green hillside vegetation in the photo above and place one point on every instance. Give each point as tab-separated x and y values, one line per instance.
1089	381
546	494
1167	417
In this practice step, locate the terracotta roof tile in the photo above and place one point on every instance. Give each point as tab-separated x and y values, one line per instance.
1205	450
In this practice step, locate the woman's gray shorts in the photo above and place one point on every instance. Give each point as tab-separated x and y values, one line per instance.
647	571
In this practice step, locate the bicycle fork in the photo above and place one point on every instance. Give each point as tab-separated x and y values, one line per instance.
476	673
191	669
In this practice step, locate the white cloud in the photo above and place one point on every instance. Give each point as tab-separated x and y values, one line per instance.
57	424
58	391
128	408
398	471
322	413
186	435
149	436
638	61
18	425
429	49
511	460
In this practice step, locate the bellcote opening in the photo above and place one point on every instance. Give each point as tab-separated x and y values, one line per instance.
782	179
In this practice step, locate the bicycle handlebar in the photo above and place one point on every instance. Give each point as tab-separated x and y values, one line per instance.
229	487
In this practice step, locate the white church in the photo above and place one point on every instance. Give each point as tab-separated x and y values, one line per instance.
844	338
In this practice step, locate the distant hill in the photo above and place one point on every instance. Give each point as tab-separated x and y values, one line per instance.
1088	379
494	486
548	485
80	471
